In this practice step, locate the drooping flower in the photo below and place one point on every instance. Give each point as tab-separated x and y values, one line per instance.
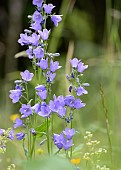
80	91
26	75
30	52
48	8
37	17
78	104
50	76
38	3
54	66
18	123
58	106
59	140
36	26
15	95
69	132
74	62
11	134
38	52
56	19
43	64
24	39
69	101
34	39
67	144
37	107
25	110
81	67
20	135
45	110
42	91
44	34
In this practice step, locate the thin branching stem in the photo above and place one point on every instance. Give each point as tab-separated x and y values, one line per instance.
107	121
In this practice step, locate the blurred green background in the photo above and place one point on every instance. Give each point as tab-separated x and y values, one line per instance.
91	31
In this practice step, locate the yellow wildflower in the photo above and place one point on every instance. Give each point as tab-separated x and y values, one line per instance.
14	116
40	151
76	161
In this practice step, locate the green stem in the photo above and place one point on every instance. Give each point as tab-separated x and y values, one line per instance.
27	96
33	147
47	132
51	133
28	139
71	146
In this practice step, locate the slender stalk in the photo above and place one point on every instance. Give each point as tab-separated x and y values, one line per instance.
33	147
107	122
71	146
48	140
51	133
27	96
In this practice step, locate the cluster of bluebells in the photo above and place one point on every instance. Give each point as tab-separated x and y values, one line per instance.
35	39
64	140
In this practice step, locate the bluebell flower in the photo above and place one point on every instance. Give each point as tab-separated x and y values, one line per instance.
37	107
50	76
30	52
69	132
38	52
67	144
69	101
36	26
80	91
34	39
18	123
78	104
48	8
24	39
26	75
20	135
74	62
37	17
15	95
43	64
42	91
11	135
44	34
59	140
25	110
58	106
54	65
45	110
38	3
81	67
56	19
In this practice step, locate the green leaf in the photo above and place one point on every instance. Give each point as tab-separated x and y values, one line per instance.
41	130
